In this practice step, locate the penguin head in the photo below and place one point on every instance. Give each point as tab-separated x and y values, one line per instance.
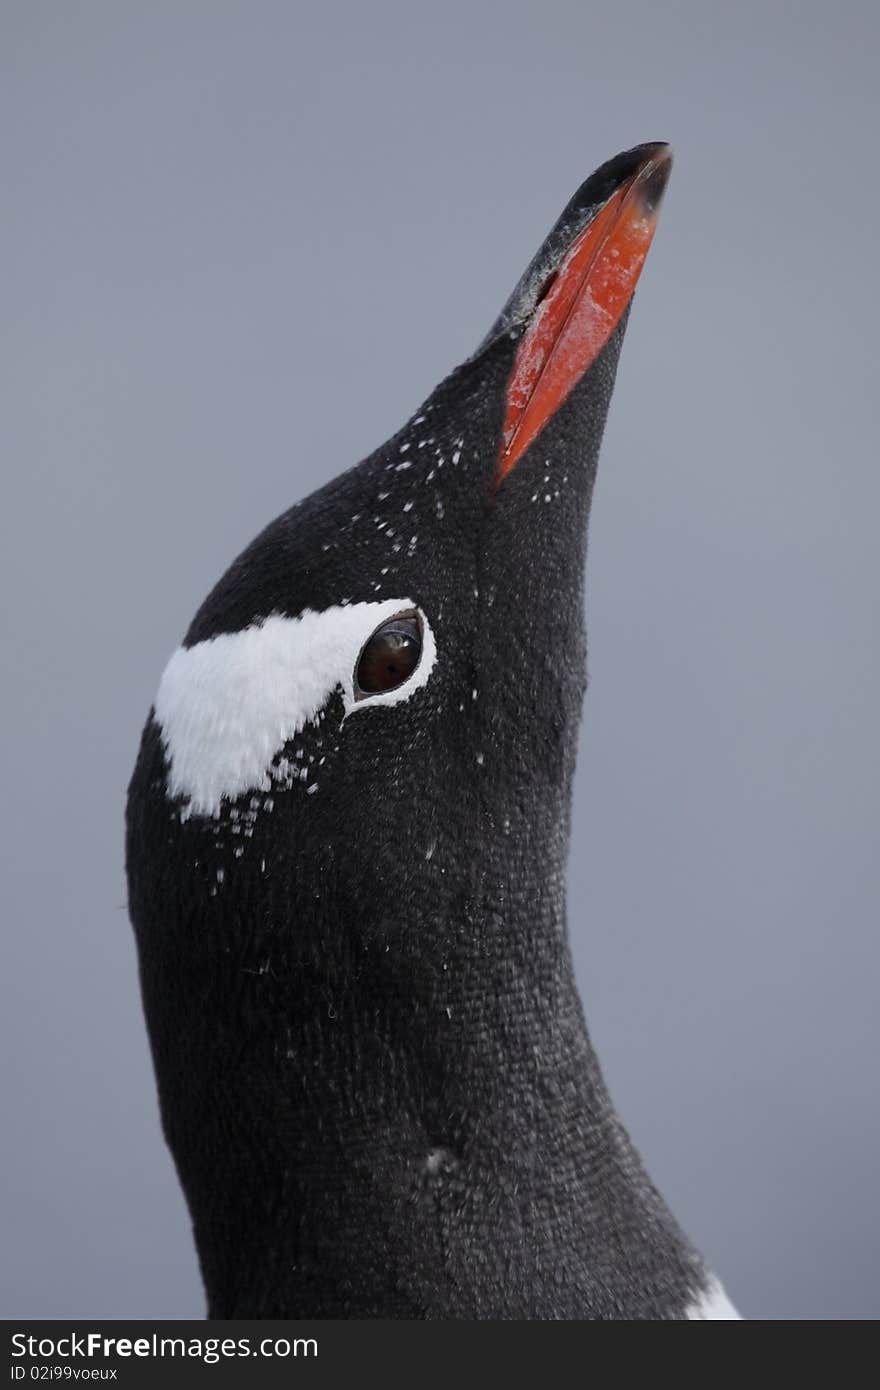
365	742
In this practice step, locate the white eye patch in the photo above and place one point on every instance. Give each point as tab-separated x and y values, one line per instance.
227	707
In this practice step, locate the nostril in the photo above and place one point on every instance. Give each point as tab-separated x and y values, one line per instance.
547	287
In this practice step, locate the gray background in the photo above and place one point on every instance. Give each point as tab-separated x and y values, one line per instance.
240	243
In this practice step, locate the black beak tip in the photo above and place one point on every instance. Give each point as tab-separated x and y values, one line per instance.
652	185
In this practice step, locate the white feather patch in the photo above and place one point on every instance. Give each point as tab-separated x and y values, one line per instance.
712	1303
226	707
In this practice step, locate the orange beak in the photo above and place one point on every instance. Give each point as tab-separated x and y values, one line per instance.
582	303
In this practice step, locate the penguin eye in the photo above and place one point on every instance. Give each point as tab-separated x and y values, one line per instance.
390	656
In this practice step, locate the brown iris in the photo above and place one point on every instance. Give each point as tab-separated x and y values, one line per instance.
390	656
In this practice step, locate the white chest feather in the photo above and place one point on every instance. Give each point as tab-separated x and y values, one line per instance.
711	1304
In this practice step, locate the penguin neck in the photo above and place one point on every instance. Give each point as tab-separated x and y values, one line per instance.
429	1140
518	1068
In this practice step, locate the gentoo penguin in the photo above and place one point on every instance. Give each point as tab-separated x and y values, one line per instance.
348	829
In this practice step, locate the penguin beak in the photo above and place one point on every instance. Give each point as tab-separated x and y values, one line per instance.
582	301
